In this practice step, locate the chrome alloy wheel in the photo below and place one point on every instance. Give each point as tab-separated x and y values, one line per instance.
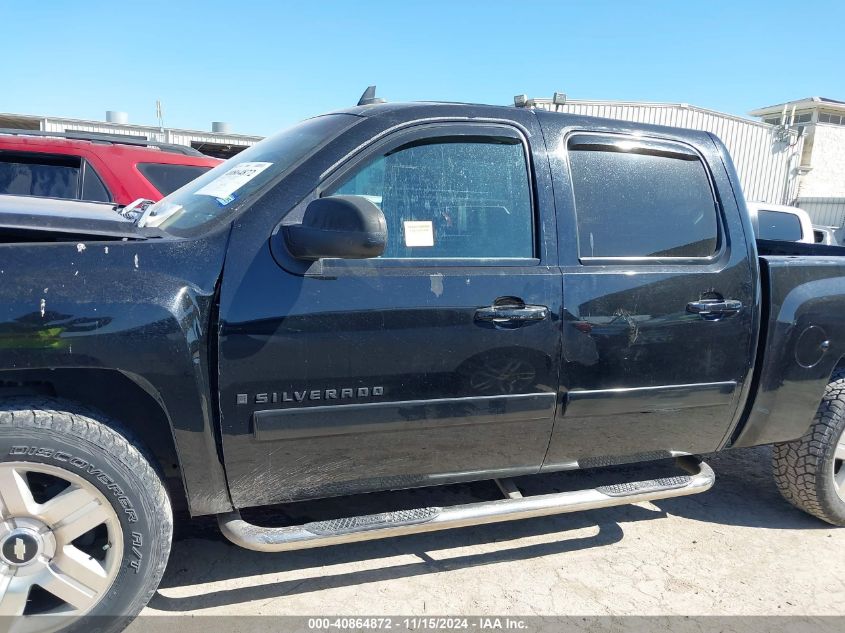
61	541
839	467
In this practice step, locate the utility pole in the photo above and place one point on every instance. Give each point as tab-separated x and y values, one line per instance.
160	117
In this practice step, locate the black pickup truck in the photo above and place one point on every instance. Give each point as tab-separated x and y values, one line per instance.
398	296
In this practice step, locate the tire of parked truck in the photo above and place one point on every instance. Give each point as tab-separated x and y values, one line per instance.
86	520
810	471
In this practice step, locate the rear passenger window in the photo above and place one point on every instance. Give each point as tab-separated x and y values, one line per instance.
93	187
776	225
39	175
636	199
465	197
168	178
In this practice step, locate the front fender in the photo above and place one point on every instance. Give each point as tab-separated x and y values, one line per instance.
141	308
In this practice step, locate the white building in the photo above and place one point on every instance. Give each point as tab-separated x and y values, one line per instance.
220	142
821	170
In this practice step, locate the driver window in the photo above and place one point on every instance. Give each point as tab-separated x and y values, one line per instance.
451	198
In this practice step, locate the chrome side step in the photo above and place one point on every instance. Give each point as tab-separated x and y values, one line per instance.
388	524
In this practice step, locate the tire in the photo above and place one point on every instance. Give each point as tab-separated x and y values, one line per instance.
51	449
810	471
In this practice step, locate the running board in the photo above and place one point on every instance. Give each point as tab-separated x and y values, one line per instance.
402	522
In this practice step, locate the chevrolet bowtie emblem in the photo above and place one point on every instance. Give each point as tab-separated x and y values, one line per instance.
20	549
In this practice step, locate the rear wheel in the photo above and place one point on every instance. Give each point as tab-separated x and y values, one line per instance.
85	522
810	471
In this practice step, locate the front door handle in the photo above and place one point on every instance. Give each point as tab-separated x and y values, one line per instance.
713	309
501	314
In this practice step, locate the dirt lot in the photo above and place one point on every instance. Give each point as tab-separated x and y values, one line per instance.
737	549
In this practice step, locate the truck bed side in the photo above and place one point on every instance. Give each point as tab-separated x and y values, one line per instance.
802	341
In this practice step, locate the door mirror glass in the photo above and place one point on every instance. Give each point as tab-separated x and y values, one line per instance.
350	227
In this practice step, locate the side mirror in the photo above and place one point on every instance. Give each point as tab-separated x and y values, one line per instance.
351	227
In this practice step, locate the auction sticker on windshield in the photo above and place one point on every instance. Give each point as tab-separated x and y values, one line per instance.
225	185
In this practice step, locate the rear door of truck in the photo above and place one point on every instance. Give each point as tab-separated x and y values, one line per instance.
659	291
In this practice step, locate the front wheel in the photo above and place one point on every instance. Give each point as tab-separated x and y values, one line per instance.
86	523
810	471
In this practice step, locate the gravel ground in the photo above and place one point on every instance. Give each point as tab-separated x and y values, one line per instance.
738	549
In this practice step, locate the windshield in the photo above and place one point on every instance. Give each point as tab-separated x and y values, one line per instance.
218	193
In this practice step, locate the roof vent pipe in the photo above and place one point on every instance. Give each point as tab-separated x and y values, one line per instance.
113	116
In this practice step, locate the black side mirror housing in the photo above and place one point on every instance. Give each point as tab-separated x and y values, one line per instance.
351	227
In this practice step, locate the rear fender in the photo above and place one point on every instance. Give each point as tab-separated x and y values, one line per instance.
805	342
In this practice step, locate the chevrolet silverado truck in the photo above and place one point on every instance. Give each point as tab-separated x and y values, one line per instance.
398	296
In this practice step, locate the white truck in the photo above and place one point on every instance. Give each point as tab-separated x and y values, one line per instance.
780	222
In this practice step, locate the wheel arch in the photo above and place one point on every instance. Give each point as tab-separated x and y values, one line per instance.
759	429
127	399
802	346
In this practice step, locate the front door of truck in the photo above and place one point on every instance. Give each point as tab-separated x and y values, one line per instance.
435	362
659	296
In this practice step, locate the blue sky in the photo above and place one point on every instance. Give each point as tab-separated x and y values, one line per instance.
263	65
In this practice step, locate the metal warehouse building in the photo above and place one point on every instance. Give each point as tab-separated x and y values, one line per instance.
220	142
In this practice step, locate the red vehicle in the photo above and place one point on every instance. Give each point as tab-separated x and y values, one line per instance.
96	167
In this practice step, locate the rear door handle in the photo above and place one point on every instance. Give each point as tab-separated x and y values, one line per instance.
511	314
714	308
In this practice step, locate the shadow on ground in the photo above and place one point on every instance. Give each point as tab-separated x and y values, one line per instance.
744	495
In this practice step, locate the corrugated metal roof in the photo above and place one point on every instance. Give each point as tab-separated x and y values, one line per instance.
546	103
168	135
